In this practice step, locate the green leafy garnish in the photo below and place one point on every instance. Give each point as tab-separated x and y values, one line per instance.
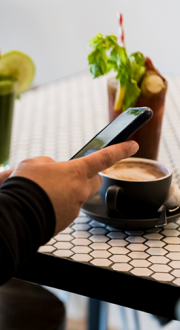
107	55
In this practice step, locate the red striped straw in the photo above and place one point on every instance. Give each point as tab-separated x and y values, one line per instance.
121	30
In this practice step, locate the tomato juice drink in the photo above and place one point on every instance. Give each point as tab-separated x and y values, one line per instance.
148	136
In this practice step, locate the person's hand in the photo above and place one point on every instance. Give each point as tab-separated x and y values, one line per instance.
5	175
69	183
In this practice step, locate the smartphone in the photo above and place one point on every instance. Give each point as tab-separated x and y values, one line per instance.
118	130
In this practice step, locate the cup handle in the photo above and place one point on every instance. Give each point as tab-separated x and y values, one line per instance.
111	197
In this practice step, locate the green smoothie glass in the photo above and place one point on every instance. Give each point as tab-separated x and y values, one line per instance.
17	72
7	95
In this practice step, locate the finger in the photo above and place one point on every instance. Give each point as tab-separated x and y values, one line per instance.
102	159
5	175
95	184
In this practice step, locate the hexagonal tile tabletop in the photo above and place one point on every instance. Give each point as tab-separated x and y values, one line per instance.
61	122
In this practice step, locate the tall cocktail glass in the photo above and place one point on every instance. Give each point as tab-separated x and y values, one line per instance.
7	95
148	136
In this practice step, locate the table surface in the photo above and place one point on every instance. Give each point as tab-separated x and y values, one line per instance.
56	120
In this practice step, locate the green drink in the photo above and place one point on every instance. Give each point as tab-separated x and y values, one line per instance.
7	94
17	71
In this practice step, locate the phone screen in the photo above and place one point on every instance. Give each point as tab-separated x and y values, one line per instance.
103	138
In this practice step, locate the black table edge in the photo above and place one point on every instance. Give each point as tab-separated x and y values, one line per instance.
104	284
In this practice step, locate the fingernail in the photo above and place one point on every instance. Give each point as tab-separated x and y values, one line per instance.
134	147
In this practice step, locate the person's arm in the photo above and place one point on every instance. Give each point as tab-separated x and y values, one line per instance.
27	221
42	197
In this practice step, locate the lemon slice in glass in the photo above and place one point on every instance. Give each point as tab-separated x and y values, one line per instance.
119	97
20	67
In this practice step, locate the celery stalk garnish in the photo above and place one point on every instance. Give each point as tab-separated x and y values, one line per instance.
107	55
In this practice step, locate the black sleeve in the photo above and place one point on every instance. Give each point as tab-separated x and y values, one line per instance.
27	221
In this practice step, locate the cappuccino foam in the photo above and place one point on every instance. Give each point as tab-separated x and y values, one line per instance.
135	171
